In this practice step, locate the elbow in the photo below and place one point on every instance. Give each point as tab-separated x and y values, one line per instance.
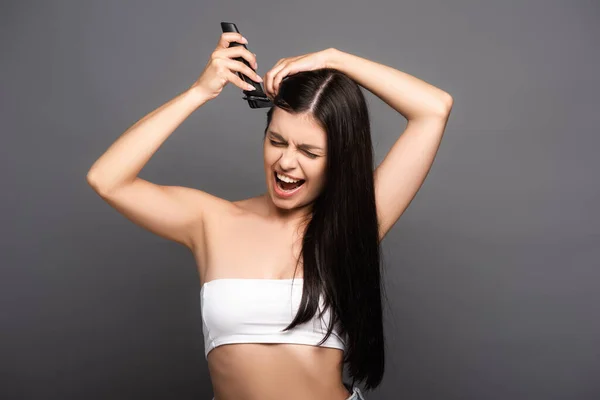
93	181
90	179
440	106
443	107
447	103
103	186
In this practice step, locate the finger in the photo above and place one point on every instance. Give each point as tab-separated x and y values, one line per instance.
239	66
239	82
287	69
270	75
228	37
240	51
277	75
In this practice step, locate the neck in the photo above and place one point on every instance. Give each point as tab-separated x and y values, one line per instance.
286	217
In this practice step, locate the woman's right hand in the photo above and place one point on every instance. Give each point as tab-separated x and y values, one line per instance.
221	66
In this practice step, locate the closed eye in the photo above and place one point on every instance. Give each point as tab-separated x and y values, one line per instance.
274	143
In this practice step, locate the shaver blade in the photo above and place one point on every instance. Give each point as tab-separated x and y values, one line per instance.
251	97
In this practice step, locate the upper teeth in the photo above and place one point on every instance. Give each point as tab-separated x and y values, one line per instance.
286	179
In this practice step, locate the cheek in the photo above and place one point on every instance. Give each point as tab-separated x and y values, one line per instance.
320	169
269	155
322	177
270	159
317	174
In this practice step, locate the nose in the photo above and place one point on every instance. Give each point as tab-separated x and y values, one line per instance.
288	160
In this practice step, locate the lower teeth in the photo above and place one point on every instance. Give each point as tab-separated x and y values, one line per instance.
288	190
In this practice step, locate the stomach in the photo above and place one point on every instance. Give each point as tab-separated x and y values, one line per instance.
263	371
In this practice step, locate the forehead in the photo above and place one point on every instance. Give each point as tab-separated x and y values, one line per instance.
298	128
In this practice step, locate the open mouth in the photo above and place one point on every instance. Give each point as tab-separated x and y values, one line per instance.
287	187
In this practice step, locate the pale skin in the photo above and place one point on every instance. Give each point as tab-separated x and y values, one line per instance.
260	237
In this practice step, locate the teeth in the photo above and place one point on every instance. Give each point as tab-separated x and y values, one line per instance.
286	179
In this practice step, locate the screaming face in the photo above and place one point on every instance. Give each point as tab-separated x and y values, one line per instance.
295	150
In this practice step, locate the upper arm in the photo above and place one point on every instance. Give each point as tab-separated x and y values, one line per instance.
172	212
404	169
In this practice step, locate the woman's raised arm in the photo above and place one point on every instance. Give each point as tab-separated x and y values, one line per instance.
172	212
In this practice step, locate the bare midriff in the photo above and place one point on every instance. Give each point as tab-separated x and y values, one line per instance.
261	371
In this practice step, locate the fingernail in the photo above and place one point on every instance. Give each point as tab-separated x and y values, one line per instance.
244	39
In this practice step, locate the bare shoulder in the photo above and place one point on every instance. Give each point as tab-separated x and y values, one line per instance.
213	209
219	216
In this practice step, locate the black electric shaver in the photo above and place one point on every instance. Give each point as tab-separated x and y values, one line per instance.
256	98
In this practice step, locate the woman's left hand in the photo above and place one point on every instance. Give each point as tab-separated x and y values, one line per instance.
292	65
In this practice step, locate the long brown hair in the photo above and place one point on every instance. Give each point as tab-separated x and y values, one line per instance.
341	250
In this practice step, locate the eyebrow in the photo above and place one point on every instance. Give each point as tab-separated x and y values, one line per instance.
303	146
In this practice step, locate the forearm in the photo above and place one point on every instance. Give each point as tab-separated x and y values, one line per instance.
126	157
410	96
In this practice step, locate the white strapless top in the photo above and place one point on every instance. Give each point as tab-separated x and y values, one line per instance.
241	310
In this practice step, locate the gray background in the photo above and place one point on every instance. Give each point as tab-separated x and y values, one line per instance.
492	273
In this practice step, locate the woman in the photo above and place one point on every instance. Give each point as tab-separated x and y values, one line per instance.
290	280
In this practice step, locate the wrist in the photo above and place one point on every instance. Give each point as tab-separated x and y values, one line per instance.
334	57
197	96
